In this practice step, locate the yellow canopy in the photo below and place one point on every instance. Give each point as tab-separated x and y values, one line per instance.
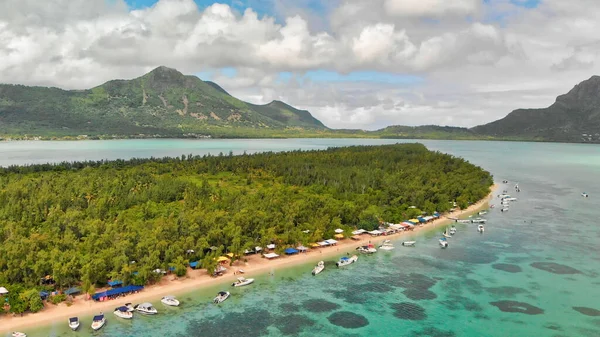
230	255
339	236
315	245
414	220
222	258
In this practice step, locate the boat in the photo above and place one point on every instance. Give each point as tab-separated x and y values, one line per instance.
98	322
170	300
585	195
505	209
510	199
480	228
221	296
318	268
445	233
344	261
386	245
464	221
74	323
443	243
409	243
369	249
18	334
452	230
129	307
146	309
123	312
482	213
242	281
479	220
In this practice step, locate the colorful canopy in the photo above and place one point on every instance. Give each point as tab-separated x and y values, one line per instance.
115	283
290	251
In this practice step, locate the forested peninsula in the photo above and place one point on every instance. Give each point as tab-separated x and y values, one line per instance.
85	223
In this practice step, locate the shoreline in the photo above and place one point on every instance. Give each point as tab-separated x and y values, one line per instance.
195	279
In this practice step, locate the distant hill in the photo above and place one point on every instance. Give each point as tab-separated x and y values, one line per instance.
574	117
163	102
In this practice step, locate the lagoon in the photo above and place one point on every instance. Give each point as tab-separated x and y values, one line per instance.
524	276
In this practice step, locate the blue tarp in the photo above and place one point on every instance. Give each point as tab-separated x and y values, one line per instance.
112	292
72	291
194	264
291	251
436	214
421	219
115	283
172	268
44	294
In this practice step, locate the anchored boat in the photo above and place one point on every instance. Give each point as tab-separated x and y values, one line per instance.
74	323
318	268
344	261
221	296
241	281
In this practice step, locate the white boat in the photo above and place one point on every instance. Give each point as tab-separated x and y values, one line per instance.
482	213
344	261
129	307
452	230
318	268
18	334
505	209
242	281
170	300
146	309
366	249
123	312
479	220
585	195
480	228
409	243
74	323
221	296
386	245
98	322
443	243
511	199
464	221
445	233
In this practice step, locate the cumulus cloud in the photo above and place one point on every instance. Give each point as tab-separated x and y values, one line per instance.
478	60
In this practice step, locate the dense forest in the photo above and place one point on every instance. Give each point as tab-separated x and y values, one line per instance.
84	223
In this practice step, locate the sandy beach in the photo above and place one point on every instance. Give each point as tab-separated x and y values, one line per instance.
195	279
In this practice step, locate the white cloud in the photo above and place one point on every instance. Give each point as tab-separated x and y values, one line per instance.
478	60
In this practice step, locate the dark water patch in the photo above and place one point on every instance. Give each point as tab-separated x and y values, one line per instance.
409	311
289	307
249	323
555	268
420	263
481	317
587	311
373	287
460	303
319	305
553	326
433	332
293	324
509	268
348	320
350	297
506	291
417	294
519	307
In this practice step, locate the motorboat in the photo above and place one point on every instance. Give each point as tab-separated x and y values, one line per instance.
479	220
452	230
344	261
98	322
443	243
123	312
146	309
505	209
242	281
221	296
480	228
130	307
445	233
409	243
464	221
585	195
18	334
386	245
511	199
482	213
74	323
170	300
367	249
318	268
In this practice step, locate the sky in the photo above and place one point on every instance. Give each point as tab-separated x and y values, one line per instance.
361	64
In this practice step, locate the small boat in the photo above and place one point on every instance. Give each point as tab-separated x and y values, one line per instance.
386	245
318	268
123	312
445	233
482	213
452	230
146	309
511	199
464	221
480	228
74	323
409	243
505	209
129	307
443	243
18	334
479	220
170	300
221	296
344	261
585	195
98	322
367	249
242	281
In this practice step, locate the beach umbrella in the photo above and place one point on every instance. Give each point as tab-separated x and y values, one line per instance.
3	291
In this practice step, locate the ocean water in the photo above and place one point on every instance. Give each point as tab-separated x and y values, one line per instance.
533	272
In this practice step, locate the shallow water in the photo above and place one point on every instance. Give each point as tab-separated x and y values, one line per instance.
522	277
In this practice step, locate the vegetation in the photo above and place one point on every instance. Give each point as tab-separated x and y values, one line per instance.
84	223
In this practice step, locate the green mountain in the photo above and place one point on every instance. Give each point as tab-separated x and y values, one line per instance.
163	102
427	132
574	117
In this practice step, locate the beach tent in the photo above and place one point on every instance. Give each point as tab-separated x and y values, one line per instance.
411	222
118	291
331	241
194	264
421	219
72	291
301	248
415	221
3	291
375	232
271	246
339	230
315	245
115	283
436	214
290	251
323	243
229	255
359	232
270	255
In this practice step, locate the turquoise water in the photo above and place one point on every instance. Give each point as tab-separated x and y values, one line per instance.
542	255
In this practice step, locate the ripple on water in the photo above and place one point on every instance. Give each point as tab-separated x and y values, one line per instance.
319	305
289	307
409	311
587	311
506	291
433	332
348	320
509	268
417	295
518	307
293	324
555	268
